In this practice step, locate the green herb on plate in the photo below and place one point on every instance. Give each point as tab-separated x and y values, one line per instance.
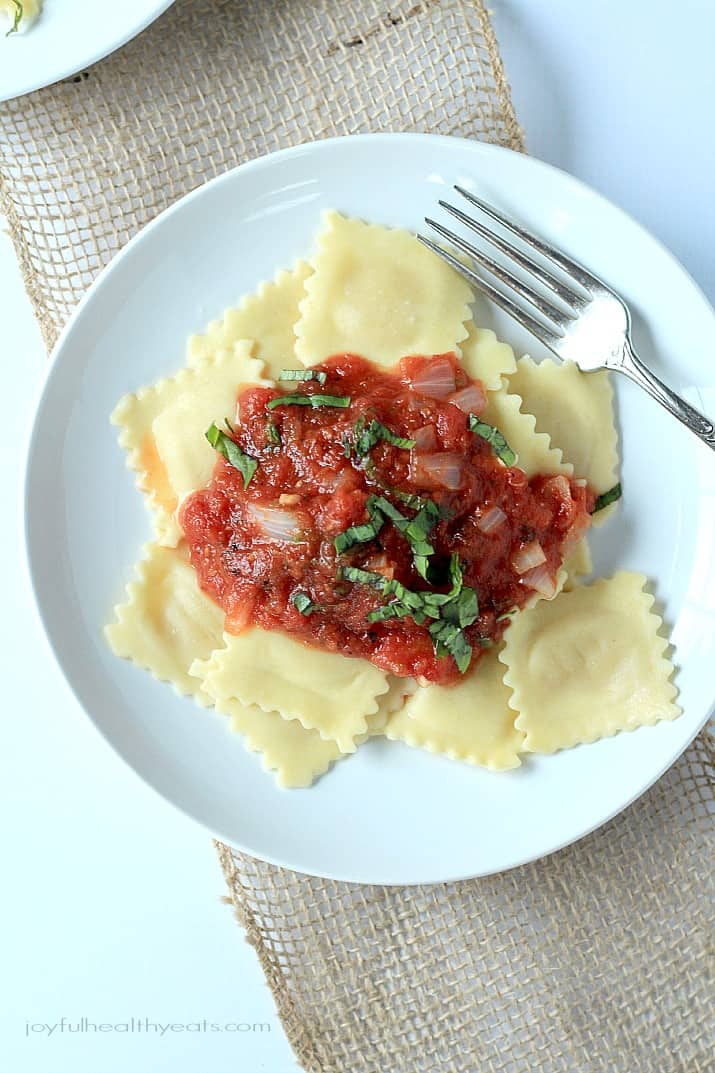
222	442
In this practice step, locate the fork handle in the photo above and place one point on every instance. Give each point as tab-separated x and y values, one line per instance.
698	423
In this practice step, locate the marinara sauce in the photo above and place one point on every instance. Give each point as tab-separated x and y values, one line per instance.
267	554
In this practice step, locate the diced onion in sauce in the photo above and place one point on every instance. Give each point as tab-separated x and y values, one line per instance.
529	557
380	564
540	580
275	524
425	438
444	469
288	499
436	379
491	520
471	399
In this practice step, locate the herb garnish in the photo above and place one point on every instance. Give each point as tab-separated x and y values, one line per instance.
450	612
316	401
359	534
222	442
303	374
303	603
608	497
494	438
415	530
19	11
367	436
273	434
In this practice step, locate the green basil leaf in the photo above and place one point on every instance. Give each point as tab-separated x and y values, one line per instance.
361	577
316	401
230	450
449	639
273	434
367	436
303	375
303	603
17	19
494	438
357	534
608	497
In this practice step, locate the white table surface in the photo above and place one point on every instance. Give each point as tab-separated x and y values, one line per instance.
110	899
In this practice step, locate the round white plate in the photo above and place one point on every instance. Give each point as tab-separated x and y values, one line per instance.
68	36
390	814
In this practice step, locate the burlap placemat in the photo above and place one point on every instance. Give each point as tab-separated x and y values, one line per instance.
597	959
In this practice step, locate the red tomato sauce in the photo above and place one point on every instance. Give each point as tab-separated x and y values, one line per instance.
257	549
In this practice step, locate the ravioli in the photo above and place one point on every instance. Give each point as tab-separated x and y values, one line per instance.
471	721
163	429
167	622
378	292
589	664
277	673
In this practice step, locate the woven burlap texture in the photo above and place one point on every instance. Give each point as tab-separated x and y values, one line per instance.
596	959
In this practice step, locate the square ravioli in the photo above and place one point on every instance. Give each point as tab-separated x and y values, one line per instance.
471	721
163	429
378	292
486	358
167	621
577	410
297	756
534	451
324	691
589	664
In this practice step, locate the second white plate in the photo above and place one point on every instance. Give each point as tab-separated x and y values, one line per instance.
69	36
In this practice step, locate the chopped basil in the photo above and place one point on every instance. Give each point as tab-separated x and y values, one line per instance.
303	374
347	447
415	530
273	434
448	639
367	436
379	503
410	499
303	603
451	612
464	609
358	534
494	438
361	577
608	497
316	401
19	11
506	615
222	442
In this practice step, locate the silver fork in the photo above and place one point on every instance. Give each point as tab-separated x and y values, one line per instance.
587	322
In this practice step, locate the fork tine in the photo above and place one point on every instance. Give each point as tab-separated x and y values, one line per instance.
547	309
571	268
567	296
537	328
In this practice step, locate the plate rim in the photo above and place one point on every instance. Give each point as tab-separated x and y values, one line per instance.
95	56
265	160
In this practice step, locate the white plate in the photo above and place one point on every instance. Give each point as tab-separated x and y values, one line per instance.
391	814
69	36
